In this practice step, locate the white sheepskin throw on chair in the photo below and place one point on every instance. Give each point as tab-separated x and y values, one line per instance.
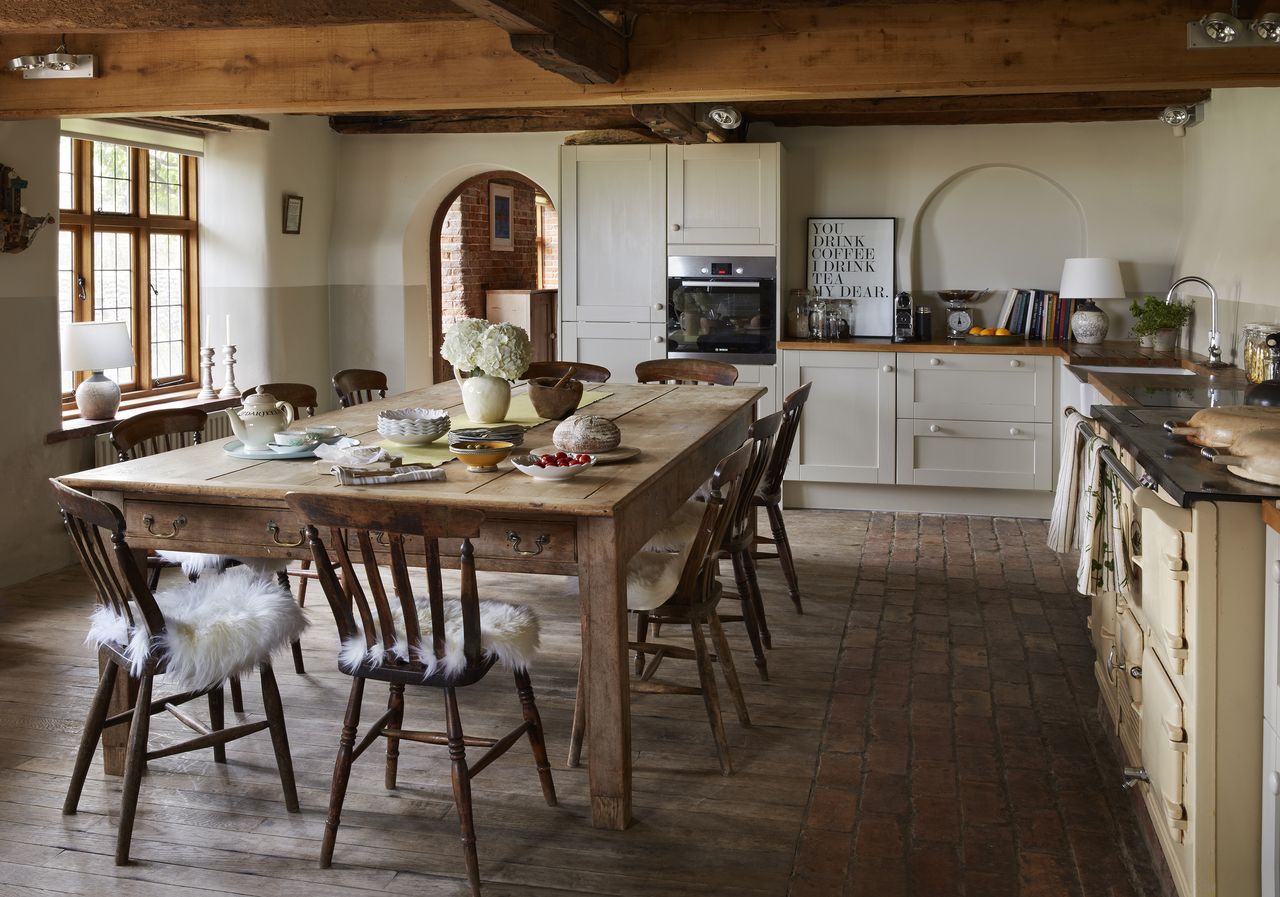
509	632
679	532
215	627
197	563
652	577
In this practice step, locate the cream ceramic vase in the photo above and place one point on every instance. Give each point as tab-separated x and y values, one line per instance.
485	398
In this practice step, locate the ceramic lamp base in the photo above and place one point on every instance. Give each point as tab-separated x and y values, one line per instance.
98	398
1089	324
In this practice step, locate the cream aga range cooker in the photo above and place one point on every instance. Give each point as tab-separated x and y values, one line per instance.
1180	657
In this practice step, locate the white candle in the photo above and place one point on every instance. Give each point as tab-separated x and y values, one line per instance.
228	330
208	330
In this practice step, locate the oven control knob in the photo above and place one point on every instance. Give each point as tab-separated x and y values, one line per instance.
706	270
738	270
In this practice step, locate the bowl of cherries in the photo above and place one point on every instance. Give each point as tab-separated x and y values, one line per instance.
560	466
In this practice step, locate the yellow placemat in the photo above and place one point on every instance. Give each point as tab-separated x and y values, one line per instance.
521	412
431	453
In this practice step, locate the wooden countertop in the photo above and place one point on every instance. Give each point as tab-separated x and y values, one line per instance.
1124	353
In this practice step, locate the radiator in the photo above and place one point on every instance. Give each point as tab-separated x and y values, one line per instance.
217	427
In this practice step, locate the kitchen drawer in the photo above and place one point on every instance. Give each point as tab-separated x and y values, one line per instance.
977	454
216	529
1164	750
975	387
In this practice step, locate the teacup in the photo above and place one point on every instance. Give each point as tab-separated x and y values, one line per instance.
324	431
295	438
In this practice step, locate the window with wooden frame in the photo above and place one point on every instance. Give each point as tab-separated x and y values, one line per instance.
127	251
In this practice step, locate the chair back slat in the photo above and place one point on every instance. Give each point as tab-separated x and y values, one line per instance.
116	578
587	373
360	520
761	434
686	371
703	561
355	386
302	396
153	432
792	408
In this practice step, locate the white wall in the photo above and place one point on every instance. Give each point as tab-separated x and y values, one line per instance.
275	286
992	206
389	190
31	535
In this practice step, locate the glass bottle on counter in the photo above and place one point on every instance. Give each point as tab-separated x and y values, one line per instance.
799	301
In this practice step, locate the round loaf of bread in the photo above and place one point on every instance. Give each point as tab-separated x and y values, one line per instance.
587	433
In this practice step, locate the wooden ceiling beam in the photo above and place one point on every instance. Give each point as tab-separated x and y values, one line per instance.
673	122
487	121
45	16
989	47
812	111
567	37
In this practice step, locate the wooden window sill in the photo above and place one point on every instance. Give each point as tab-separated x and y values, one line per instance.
75	427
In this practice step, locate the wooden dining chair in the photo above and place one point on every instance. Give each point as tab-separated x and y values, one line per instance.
682	589
422	641
355	386
587	373
302	396
682	370
198	634
769	494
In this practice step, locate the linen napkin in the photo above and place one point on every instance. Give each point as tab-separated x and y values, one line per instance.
1066	496
408	473
1104	528
352	455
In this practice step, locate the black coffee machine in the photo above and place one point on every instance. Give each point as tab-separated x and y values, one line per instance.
904	330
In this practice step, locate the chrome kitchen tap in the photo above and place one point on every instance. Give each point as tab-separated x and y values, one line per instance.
1215	348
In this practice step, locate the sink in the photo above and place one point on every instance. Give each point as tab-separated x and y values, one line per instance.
1119	369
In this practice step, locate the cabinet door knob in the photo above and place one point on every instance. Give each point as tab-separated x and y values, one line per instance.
657	306
888	369
934	428
1275	571
1273	781
675	227
1015	363
658	339
935	361
1014	431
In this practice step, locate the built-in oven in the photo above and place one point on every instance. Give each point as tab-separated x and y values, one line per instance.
722	308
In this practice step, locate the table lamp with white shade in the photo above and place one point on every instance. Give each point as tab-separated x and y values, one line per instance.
97	346
1086	280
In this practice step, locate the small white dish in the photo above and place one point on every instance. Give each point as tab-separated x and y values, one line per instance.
524	464
324	432
236	449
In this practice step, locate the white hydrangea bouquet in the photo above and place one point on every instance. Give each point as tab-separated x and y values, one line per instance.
491	355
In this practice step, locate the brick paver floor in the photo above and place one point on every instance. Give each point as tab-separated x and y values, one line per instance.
963	752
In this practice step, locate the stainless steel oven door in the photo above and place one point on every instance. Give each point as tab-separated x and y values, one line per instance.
722	309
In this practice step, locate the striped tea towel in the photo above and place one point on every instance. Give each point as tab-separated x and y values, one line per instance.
1066	496
1104	529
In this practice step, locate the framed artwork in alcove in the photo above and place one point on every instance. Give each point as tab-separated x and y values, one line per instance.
501	198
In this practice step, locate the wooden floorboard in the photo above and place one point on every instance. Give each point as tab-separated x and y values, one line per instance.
205	828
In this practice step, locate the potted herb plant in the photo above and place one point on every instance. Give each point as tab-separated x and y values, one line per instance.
1156	323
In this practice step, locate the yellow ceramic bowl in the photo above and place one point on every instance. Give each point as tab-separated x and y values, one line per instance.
482	455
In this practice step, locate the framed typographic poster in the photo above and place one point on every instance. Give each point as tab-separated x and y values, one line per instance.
852	258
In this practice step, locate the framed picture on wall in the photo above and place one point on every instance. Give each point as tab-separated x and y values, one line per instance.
501	198
292	214
853	258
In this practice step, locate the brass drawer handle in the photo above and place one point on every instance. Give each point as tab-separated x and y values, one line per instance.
148	520
273	529
514	538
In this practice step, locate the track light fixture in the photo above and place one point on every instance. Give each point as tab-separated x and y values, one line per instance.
725	116
58	64
1221	29
1179	118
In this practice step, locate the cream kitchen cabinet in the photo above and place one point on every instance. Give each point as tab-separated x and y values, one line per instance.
847	430
613	264
1013	388
618	347
723	194
979	454
765	375
1270	724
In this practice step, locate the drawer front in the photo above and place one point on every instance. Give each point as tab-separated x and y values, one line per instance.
978	454
975	387
1164	578
1164	750
214	528
503	539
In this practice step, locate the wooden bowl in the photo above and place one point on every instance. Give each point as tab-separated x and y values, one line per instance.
553	403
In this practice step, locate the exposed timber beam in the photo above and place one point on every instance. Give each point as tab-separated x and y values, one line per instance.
567	37
1122	45
673	122
45	16
487	121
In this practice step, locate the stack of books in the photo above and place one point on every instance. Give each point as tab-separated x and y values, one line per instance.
1036	314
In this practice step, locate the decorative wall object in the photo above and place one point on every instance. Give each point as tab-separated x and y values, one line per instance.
853	258
292	223
501	197
17	228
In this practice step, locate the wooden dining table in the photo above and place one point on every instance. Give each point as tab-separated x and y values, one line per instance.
201	498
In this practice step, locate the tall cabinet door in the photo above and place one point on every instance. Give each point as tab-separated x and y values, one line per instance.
618	347
723	193
847	430
612	226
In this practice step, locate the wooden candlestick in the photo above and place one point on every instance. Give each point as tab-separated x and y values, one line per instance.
206	374
229	389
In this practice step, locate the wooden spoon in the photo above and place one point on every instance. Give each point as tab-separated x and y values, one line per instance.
567	374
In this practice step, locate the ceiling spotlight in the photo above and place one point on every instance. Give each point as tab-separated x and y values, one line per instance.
1177	117
1267	27
58	64
61	61
725	116
24	63
1221	27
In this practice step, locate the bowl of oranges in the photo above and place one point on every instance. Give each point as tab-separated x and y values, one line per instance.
992	336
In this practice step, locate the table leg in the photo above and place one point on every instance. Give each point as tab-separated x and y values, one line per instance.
602	585
115	740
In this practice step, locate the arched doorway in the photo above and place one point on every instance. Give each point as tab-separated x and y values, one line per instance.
467	258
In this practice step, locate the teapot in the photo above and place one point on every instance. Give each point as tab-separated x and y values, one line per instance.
259	419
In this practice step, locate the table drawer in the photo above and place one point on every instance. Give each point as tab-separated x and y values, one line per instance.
223	530
502	539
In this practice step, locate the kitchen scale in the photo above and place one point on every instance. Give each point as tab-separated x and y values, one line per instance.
959	317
